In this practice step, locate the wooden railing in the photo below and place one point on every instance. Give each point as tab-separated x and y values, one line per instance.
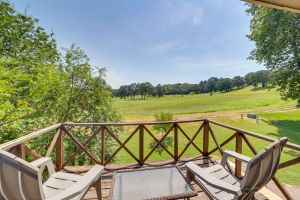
21	147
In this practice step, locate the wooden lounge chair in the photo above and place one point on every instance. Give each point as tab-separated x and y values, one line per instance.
218	183
20	180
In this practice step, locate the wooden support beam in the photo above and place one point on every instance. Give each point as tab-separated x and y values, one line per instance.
59	149
205	138
282	189
238	149
33	153
289	163
141	144
176	142
19	151
103	150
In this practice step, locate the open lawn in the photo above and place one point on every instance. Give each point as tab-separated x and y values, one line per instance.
249	98
272	124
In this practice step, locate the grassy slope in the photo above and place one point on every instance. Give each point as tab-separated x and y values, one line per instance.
271	124
245	99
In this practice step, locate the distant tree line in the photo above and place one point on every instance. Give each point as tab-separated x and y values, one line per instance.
211	85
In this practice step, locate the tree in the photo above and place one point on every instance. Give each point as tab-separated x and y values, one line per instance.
263	77
276	35
123	91
202	87
211	85
162	129
252	79
238	82
144	89
159	90
224	85
22	39
132	90
39	86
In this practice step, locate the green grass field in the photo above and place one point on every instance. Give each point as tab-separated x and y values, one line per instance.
272	124
248	98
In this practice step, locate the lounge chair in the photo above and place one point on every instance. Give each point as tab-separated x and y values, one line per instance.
20	180
218	183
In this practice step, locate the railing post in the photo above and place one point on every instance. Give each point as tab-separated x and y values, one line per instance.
176	142
60	149
19	151
141	144
103	150
238	149
205	138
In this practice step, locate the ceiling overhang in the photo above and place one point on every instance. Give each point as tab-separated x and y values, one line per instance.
287	5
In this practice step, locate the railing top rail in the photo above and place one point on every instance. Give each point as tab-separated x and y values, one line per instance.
133	123
27	137
256	135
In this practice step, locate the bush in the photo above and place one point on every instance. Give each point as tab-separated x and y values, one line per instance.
162	129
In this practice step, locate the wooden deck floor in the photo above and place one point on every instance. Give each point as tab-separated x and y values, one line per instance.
107	178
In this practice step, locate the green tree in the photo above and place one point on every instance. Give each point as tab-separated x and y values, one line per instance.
39	87
276	35
123	91
224	85
252	79
211	85
159	90
263	77
162	129
238	81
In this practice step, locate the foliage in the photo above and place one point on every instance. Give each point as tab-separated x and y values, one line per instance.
211	85
162	129
254	78
276	35
224	85
238	81
159	91
39	86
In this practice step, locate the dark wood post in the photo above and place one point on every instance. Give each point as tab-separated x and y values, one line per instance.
60	149
205	138
176	142
19	151
103	150
238	149
141	144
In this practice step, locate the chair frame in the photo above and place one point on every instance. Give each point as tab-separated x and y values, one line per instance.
241	191
34	169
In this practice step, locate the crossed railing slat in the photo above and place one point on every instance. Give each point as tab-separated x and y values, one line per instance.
21	147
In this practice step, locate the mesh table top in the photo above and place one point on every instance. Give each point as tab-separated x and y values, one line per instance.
157	183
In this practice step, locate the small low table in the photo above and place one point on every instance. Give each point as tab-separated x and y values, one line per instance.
155	183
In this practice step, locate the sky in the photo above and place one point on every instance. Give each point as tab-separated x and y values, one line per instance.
159	41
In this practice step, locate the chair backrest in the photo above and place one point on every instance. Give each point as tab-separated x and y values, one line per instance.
19	179
262	167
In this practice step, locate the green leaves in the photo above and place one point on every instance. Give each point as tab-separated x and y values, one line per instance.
277	37
39	86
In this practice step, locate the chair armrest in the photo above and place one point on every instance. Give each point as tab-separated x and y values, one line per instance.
235	155
212	180
44	161
82	186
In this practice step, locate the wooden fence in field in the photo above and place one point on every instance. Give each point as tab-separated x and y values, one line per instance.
20	146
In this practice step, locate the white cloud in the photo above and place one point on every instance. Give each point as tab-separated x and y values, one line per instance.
166	47
183	12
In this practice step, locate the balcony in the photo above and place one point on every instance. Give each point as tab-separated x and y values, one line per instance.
127	146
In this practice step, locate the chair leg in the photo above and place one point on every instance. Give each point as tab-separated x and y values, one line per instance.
98	188
190	176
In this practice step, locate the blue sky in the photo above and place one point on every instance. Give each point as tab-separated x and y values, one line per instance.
160	41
